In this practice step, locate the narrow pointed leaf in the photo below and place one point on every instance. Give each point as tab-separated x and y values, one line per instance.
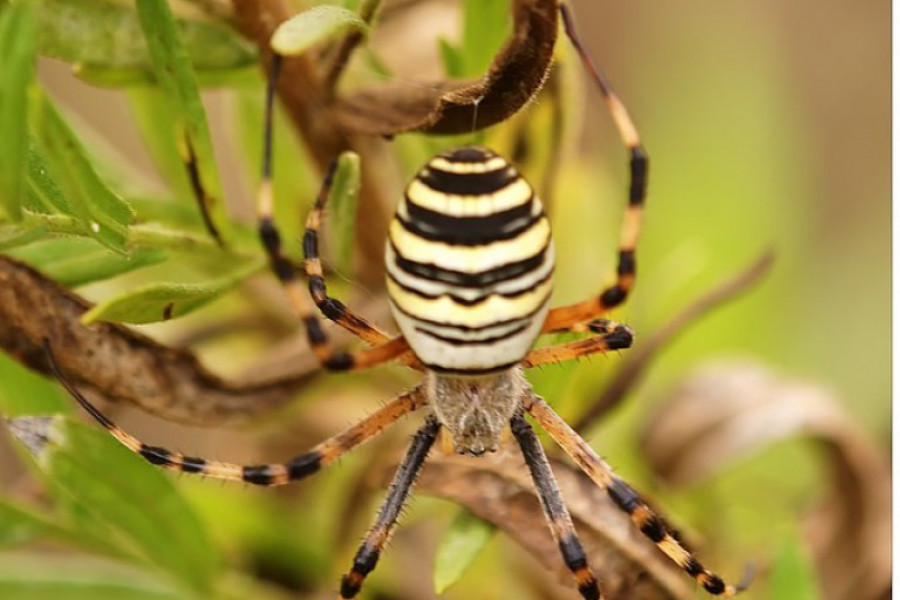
164	301
343	199
174	73
42	192
17	50
19	524
12	236
793	576
318	24
77	261
100	35
150	107
459	548
113	485
49	577
102	214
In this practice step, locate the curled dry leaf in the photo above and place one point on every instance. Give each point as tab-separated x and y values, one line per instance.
730	410
499	489
514	77
116	364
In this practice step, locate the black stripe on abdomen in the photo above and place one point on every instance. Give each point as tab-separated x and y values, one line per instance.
467	184
472	280
469	231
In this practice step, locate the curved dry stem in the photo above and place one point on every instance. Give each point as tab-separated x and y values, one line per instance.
639	358
115	364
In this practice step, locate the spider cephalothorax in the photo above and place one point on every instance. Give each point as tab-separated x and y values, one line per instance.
475	410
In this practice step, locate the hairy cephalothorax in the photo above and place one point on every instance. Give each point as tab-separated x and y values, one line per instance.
475	410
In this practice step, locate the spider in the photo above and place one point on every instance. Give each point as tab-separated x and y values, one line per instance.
469	261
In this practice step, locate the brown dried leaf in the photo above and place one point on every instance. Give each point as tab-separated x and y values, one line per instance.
114	364
499	490
730	410
515	76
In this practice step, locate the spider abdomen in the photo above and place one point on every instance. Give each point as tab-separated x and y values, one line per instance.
469	263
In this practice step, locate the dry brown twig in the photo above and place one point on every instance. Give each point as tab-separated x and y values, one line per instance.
639	358
116	364
729	410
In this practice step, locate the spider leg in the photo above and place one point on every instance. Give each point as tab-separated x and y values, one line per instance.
613	336
332	359
303	465
638	166
649	523
554	509
332	308
367	556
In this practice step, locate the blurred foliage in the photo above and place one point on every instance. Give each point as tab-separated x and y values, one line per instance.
733	174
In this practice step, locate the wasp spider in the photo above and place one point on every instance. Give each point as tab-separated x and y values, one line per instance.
469	262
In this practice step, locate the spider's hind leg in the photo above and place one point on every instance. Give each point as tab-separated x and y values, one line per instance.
367	556
649	523
554	509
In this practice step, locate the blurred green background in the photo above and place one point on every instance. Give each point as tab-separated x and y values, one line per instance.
767	126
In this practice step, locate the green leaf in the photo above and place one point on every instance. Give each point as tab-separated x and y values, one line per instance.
465	538
454	62
19	524
77	261
172	67
48	577
318	24
485	27
133	78
162	301
12	236
43	193
102	214
793	576
102	35
150	108
24	392
343	199
17	50
113	485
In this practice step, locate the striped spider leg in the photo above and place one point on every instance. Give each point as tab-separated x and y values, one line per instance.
386	348
299	467
625	498
566	316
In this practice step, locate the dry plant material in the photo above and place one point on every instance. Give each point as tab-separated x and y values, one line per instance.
730	410
514	77
498	489
639	358
116	364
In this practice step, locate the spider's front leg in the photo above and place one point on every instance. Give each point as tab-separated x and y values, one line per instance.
612	336
386	348
566	316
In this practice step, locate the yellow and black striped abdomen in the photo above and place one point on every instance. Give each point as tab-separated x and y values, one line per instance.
469	263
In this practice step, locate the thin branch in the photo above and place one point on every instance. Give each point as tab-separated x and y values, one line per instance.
639	358
347	45
115	364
